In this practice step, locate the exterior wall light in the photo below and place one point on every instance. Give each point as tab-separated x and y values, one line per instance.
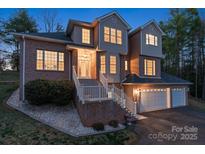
136	98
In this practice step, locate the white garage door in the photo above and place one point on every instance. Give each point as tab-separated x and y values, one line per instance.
155	99
178	97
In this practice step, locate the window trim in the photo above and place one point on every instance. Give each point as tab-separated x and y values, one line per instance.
83	37
44	60
112	36
147	39
115	65
102	64
146	67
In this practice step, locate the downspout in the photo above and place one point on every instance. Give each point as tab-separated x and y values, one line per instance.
23	88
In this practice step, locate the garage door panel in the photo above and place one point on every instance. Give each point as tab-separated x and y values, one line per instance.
153	100
178	97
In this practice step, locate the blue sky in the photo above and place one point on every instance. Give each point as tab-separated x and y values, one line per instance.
135	17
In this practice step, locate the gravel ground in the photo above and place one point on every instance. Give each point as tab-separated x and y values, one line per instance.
63	118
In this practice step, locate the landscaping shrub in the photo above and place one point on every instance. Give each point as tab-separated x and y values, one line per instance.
98	126
113	123
41	92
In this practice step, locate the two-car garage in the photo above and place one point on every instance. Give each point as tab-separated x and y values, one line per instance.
161	98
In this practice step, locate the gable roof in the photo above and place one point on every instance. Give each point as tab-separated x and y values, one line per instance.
73	22
165	79
145	25
118	15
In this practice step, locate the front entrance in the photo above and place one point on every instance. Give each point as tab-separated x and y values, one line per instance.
84	66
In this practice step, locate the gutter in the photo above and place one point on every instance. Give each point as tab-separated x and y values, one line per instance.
157	83
41	38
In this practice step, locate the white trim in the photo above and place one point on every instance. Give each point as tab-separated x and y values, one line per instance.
140	42
99	36
23	82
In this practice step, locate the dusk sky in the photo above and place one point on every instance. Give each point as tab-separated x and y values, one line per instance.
135	17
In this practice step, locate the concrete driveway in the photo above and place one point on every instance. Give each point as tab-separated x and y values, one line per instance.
173	126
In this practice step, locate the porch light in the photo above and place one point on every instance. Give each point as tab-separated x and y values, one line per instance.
136	94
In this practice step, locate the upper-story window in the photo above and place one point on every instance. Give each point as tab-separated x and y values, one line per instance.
151	40
149	67
86	36
112	35
102	64
49	60
113	63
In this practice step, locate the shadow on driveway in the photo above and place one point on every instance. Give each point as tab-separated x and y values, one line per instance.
182	125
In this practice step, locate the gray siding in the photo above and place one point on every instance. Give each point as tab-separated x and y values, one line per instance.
150	50
77	35
113	49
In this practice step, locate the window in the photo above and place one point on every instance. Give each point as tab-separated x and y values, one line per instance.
106	34
119	37
126	65
86	36
149	67
39	60
102	64
151	40
113	35
61	61
50	60
112	64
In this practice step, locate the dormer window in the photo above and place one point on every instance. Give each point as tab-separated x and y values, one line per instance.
112	35
151	40
85	36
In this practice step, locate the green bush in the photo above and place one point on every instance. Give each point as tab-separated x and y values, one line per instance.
59	92
113	123
98	126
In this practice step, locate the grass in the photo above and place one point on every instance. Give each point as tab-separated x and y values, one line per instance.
9	76
197	104
17	128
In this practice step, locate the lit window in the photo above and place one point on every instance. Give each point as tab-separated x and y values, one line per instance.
126	65
102	64
149	67
50	60
86	36
113	35
112	64
151	40
61	61
39	60
119	37
106	34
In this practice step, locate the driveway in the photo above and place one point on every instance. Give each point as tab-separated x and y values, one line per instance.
182	125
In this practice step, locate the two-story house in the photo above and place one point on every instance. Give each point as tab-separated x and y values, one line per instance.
114	70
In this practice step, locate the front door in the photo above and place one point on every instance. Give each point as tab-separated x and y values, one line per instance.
84	70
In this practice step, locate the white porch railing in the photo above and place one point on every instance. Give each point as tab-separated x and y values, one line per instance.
89	93
104	92
123	100
103	80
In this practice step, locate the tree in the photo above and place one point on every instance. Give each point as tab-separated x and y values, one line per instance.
2	64
59	28
20	22
183	47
